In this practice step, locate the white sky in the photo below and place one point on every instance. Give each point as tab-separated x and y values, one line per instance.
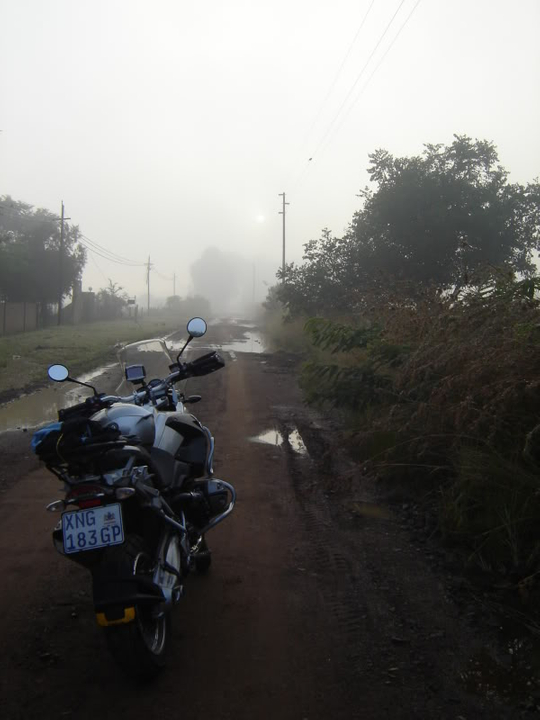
170	126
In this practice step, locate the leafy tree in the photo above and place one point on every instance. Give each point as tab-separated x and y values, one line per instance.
329	279
435	218
192	305
440	216
173	302
30	253
111	300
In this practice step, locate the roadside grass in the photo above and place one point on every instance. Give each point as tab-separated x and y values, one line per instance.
24	358
439	400
285	335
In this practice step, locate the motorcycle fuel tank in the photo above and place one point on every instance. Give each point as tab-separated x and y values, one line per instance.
135	423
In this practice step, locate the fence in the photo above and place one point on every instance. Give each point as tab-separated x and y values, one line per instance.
18	317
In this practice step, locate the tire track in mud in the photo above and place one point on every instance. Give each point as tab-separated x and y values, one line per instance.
389	643
338	587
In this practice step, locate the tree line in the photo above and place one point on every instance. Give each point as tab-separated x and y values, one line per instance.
444	217
31	269
422	328
34	269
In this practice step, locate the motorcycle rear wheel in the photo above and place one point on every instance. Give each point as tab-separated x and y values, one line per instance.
139	647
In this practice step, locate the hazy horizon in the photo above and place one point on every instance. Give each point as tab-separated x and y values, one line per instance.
171	128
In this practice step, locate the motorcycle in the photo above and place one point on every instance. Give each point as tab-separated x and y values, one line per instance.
140	497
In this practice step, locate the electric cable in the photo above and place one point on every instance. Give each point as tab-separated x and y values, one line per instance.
346	57
334	81
106	257
358	77
112	254
377	66
364	87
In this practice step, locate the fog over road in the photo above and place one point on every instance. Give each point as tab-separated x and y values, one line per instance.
309	611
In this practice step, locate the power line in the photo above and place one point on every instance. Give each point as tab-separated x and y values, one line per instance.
84	240
112	254
358	77
107	257
163	277
346	57
331	88
364	87
377	66
92	258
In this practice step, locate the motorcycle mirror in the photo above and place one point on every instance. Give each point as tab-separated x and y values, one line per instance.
58	373
197	327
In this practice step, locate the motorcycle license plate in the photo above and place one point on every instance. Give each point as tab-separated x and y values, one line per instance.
94	528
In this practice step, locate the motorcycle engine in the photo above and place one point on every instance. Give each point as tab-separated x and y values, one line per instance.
211	499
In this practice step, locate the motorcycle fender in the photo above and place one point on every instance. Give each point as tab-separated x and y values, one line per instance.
115	597
106	619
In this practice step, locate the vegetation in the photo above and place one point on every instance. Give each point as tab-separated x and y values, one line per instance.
194	305
438	218
110	301
425	333
24	358
443	397
30	254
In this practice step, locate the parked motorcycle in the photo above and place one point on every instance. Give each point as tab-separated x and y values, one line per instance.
140	497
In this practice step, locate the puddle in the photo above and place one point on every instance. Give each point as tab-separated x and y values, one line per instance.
275	437
494	681
42	406
88	377
514	676
251	342
296	442
270	437
174	346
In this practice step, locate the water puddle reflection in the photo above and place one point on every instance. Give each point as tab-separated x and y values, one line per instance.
42	406
276	438
251	342
270	437
296	442
514	677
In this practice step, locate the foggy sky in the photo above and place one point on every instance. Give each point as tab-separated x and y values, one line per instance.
170	127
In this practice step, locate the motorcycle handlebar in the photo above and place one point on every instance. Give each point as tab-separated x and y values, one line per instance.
203	365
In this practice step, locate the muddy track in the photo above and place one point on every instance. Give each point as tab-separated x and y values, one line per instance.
317	604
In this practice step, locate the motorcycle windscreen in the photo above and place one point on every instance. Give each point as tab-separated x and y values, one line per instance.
153	354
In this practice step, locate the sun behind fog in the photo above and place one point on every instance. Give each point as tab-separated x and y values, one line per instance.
260	218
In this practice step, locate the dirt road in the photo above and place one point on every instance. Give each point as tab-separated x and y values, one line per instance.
314	607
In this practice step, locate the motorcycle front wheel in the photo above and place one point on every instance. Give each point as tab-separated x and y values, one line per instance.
139	647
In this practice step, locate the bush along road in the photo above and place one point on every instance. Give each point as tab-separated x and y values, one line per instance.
320	601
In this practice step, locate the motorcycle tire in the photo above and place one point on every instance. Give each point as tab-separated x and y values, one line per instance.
138	647
203	559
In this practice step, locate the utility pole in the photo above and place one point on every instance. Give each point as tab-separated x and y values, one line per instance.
282	212
148	282
174	284
61	264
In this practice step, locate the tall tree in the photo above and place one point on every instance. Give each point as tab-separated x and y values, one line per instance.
441	215
434	218
30	253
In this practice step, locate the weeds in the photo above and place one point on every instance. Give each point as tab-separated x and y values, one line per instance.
24	358
444	396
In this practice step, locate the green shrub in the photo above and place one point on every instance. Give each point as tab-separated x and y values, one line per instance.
443	395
